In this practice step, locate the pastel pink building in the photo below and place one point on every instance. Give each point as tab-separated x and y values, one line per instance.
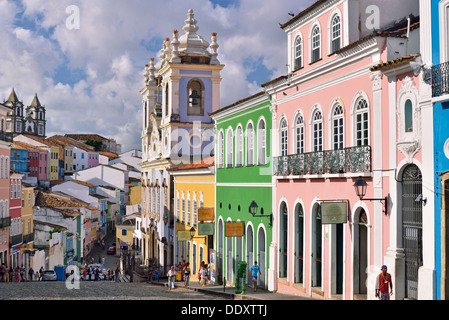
333	119
5	219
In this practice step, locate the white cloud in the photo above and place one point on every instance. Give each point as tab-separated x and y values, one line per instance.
115	40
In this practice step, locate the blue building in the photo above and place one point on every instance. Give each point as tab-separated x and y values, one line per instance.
19	159
435	59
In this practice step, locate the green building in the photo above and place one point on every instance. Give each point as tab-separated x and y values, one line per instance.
243	177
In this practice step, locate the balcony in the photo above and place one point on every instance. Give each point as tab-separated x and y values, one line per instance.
6	136
28	237
5	222
440	79
348	160
17	239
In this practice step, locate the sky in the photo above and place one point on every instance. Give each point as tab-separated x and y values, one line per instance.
88	72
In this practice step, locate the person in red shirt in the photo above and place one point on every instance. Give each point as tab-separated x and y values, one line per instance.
383	282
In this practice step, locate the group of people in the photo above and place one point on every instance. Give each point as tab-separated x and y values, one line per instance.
94	273
203	274
18	274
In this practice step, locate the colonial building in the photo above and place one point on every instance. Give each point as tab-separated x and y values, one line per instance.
243	187
334	125
180	91
5	219
32	122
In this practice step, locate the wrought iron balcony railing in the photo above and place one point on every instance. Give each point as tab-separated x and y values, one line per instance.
28	237
5	222
17	239
6	136
348	160
440	79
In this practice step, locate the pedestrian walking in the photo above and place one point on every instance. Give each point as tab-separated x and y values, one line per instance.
10	275
186	274
255	271
22	273
41	273
6	273
383	282
117	274
203	274
171	278
17	275
199	271
31	273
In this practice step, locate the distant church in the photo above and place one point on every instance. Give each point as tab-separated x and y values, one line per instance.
32	122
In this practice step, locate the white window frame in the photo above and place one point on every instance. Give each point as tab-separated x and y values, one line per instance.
262	142
249	133
229	147
338	138
302	133
239	146
283	136
295	55
335	13
221	149
316	126
315	44
354	113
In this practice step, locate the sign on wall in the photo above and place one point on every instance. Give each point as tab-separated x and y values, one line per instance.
234	229
206	214
206	229
334	212
184	235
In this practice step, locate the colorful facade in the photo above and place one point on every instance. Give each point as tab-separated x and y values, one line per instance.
5	219
243	177
15	212
194	189
332	116
180	91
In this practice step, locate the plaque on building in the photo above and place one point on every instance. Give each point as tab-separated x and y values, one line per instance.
334	212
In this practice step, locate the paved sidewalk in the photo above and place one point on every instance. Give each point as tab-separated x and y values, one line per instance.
228	292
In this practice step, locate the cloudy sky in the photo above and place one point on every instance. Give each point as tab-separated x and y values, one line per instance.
89	78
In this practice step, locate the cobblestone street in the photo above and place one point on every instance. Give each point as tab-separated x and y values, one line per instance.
95	290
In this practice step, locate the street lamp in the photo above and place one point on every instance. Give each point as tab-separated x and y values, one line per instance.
360	187
192	234
253	211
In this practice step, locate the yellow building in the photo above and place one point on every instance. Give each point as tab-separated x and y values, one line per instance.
194	191
27	224
124	235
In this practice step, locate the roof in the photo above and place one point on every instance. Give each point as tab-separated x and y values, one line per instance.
238	102
26	146
67	141
108	154
86	136
49	224
394	62
203	163
50	200
303	13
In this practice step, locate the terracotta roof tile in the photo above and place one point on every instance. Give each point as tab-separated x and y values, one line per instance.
204	163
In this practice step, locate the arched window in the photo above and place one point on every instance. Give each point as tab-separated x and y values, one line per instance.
408	115
166	100
338	127
299	134
239	146
317	129
298	53
362	123
195	96
221	150
249	144
316	44
261	142
335	33
284	137
229	147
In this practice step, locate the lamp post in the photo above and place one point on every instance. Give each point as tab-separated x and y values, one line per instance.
253	211
360	187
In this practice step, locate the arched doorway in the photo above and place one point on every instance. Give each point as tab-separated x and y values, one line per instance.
220	252
261	256
412	227
316	246
283	240
249	251
360	252
299	244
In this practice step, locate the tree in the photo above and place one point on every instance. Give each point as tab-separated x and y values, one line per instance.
97	144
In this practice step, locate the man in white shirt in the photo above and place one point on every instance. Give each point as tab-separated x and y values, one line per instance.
171	278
